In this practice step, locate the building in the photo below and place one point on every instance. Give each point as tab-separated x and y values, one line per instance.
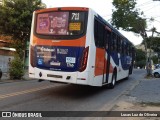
6	55
150	52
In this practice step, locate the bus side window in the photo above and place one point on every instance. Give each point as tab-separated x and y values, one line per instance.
133	52
113	42
125	48
96	32
129	49
120	45
117	44
106	39
99	30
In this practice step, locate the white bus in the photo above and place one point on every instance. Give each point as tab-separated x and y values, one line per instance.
76	45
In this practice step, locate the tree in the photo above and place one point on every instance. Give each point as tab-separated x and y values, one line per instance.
140	58
127	17
15	21
153	43
16	70
16	16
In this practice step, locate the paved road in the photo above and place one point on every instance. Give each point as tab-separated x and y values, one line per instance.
46	96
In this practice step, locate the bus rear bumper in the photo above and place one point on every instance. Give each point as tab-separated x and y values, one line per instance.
64	77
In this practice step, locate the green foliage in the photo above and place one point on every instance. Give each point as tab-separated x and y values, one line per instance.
141	63
153	43
16	70
128	18
155	59
140	55
16	17
140	58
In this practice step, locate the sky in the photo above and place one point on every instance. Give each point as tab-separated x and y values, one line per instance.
104	8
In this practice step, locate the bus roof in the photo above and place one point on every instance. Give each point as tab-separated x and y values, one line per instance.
62	8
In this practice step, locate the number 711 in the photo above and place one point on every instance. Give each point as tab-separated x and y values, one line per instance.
75	16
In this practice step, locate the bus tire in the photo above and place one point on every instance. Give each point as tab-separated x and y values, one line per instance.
113	82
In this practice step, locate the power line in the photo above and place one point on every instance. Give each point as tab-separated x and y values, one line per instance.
151	8
157	20
157	17
143	4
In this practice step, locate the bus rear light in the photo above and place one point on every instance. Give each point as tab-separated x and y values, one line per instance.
84	59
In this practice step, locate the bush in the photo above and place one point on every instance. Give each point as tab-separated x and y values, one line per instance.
16	70
141	63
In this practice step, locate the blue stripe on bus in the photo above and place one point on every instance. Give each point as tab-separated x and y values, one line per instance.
58	58
125	60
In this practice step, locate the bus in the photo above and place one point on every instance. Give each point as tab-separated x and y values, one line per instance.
76	45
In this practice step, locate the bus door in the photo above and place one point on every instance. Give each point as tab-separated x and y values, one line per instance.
107	38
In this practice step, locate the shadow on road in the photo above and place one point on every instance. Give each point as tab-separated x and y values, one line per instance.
79	91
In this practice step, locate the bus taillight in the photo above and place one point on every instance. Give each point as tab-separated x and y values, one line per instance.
84	59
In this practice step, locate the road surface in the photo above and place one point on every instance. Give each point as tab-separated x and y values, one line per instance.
45	96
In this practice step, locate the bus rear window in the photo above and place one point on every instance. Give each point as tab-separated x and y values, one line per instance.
60	23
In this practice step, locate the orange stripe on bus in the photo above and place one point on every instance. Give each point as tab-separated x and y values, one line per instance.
101	63
80	42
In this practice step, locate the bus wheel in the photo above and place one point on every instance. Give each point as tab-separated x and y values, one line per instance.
113	82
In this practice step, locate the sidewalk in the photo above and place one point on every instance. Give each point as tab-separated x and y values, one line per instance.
6	79
145	96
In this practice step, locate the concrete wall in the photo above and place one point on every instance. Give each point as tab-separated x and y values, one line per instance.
4	62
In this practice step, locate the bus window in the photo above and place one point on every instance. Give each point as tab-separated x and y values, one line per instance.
106	38
123	47
99	31
60	24
112	42
130	50
127	49
115	43
120	45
